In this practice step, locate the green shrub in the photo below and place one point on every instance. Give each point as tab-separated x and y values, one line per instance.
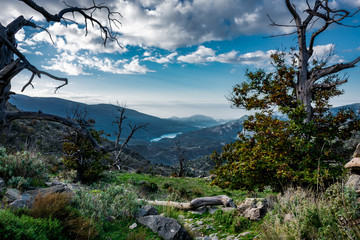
115	201
24	227
232	220
22	169
300	214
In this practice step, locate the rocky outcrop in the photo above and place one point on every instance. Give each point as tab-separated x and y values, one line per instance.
168	228
354	166
15	199
254	208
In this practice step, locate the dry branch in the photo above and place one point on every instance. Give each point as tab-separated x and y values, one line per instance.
197	202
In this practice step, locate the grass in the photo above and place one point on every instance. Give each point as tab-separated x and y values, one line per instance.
177	189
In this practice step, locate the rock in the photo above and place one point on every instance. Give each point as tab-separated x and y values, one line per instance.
54	183
25	201
11	195
209	227
244	234
168	228
199	210
132	226
53	189
354	181
253	208
2	184
199	223
146	210
213	209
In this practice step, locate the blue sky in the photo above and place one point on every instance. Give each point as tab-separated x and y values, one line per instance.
178	57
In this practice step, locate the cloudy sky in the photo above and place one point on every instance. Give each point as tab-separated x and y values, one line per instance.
178	57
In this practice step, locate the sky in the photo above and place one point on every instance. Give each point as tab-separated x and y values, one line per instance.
177	57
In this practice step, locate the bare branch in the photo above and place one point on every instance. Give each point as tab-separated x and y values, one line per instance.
329	85
317	74
87	13
293	12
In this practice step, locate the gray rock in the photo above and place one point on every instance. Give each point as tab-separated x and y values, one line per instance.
54	183
168	228
253	208
11	195
132	226
199	222
53	189
2	184
354	181
199	210
146	210
25	201
244	234
212	210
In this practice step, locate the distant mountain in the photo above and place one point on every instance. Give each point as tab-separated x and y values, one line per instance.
354	106
196	143
199	121
104	115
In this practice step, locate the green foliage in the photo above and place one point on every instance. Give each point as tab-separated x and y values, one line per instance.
276	150
300	214
22	169
24	227
113	202
171	188
81	156
119	230
233	221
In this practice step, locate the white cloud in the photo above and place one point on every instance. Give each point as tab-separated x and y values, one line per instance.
83	64
161	59
205	55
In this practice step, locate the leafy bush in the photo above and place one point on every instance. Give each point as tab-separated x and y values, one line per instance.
22	169
13	227
115	201
300	214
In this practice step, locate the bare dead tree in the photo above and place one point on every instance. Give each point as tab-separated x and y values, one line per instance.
321	15
12	61
180	151
123	140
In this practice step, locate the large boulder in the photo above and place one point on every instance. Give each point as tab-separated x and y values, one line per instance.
25	201
253	208
11	195
168	228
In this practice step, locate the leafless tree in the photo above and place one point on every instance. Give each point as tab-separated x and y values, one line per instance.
180	151
122	140
12	61
318	18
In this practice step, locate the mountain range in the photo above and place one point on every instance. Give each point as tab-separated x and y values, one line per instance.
196	135
163	139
